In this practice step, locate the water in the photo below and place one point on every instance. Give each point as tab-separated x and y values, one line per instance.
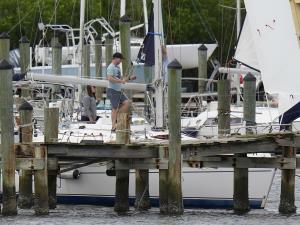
72	215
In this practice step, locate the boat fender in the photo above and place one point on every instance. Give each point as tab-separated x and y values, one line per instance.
111	172
72	175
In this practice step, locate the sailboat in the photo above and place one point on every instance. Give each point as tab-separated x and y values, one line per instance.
201	187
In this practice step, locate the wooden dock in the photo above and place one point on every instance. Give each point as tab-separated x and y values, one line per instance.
45	160
154	154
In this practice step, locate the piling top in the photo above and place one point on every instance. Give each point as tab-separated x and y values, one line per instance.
57	45
26	106
4	65
249	77
174	65
109	37
4	35
98	37
23	39
125	19
202	48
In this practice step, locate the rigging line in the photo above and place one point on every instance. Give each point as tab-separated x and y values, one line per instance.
28	13
222	33
225	27
55	15
180	39
72	14
44	35
40	10
33	24
132	11
203	21
231	38
58	1
111	12
19	15
170	23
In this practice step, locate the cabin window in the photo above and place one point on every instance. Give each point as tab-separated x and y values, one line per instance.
214	121
211	122
235	120
295	6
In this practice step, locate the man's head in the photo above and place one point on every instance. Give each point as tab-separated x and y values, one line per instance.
117	58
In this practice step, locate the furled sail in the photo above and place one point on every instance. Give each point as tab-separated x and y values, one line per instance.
187	54
146	53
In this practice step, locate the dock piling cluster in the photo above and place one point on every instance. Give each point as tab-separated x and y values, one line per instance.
41	160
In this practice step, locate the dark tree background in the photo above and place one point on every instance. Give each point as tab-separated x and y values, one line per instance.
185	21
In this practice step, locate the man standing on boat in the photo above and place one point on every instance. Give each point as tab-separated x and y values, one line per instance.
118	100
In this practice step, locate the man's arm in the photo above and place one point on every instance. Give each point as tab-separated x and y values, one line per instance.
113	79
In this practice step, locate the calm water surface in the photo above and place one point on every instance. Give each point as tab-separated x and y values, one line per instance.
72	215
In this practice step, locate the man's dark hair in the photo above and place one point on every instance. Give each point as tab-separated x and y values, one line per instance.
118	55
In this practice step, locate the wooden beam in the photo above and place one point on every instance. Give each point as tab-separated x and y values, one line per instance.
241	162
116	151
142	164
231	147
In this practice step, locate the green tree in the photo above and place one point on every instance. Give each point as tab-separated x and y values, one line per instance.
185	21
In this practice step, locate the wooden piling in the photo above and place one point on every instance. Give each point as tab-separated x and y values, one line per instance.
86	51
202	68
4	54
41	201
98	64
224	99
25	200
51	120
175	204
287	193
249	111
241	188
109	41
122	176
148	72
7	140
56	61
163	183
24	47
142	201
124	26
142	198
4	48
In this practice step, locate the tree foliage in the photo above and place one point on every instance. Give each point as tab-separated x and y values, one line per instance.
185	21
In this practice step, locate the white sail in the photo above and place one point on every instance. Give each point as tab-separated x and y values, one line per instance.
246	50
277	47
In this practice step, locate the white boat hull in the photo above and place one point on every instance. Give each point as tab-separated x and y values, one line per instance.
208	188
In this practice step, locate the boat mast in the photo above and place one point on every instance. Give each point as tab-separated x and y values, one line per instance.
238	18
238	30
122	8
81	34
145	16
158	81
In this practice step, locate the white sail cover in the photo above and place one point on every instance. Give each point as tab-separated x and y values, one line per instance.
277	48
246	50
